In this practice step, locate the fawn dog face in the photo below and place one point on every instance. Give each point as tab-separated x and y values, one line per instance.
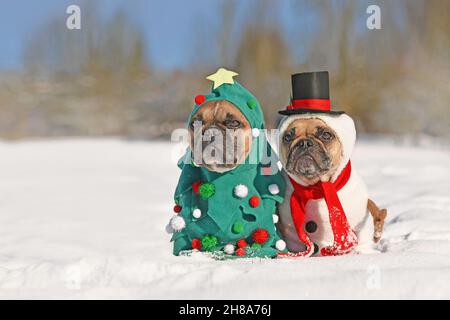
223	133
312	150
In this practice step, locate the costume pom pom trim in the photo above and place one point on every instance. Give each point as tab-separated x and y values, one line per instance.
197	213
199	99
256	246
241	243
206	190
260	236
237	227
169	229
255	132
274	189
196	186
177	223
209	242
241	191
275	218
280	245
252	103
254	201
196	244
177	208
229	249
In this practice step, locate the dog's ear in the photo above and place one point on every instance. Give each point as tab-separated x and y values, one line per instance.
383	214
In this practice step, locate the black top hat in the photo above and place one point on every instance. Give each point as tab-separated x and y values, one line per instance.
310	94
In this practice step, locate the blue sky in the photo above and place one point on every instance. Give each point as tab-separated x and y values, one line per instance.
167	25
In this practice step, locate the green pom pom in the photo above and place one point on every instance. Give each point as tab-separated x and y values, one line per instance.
252	103
238	227
206	190
209	242
256	246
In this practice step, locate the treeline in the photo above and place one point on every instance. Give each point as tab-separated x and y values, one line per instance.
99	81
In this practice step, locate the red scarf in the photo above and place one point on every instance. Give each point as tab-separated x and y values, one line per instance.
344	237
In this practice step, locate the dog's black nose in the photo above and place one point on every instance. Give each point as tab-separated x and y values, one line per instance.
305	143
211	134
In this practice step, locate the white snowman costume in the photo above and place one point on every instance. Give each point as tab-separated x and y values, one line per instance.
353	195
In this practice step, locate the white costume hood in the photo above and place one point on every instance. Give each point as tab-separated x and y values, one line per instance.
342	124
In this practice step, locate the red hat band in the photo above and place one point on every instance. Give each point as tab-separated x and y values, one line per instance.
316	104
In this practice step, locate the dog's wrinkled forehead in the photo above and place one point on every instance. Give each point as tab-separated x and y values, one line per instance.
343	126
217	111
307	127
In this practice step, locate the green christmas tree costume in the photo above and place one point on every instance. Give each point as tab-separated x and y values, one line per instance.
229	214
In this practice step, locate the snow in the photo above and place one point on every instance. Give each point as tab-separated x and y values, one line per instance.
85	219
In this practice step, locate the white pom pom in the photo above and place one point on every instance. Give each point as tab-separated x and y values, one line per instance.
169	229
229	249
241	191
177	223
194	164
255	132
197	213
274	189
280	245
279	165
275	218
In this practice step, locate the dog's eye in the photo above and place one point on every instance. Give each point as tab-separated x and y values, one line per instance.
326	136
287	137
232	124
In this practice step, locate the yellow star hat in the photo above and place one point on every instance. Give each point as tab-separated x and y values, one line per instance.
222	76
233	92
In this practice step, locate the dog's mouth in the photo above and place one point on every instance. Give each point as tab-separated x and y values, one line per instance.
309	164
215	160
221	159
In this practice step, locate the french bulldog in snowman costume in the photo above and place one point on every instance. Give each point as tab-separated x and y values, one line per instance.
327	210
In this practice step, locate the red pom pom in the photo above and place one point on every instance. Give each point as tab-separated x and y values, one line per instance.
196	244
199	99
177	208
254	201
242	243
240	252
260	236
196	186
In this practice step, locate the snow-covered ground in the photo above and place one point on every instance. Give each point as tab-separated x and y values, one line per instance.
85	219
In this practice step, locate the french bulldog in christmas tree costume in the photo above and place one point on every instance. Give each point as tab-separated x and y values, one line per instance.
327	209
228	210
